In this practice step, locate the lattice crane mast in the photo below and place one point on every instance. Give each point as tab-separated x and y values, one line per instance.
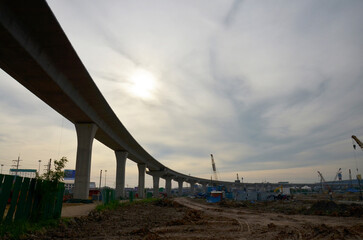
322	181
358	142
214	168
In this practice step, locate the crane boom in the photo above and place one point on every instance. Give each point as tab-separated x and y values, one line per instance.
323	182
214	167
358	142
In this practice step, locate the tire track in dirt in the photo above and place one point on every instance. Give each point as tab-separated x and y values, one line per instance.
266	225
243	224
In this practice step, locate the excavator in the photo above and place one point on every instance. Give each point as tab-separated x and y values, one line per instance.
280	194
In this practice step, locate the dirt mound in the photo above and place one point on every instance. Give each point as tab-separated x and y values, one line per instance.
190	217
331	208
166	202
324	206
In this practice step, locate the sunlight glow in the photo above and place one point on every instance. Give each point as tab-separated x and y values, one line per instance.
142	84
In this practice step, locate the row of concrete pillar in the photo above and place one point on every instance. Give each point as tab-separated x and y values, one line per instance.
85	135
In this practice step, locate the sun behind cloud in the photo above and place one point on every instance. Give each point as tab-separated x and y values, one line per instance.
143	84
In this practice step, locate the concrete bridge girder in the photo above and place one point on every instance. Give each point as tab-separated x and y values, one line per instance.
36	52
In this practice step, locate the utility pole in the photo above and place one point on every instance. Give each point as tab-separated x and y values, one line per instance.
39	167
105	178
16	165
48	166
100	179
99	186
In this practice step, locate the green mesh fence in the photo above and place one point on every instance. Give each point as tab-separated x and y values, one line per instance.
29	199
108	195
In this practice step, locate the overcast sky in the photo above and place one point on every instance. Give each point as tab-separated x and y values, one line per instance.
274	89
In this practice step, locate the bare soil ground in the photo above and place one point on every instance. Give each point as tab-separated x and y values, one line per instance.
77	209
184	218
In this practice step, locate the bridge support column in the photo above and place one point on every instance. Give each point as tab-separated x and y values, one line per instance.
156	186
121	157
168	186
180	187
85	135
204	187
156	177
141	187
192	187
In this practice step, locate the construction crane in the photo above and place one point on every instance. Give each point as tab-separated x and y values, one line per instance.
358	142
338	175
323	182
214	168
237	181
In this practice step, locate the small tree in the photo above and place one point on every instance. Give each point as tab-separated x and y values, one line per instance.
57	174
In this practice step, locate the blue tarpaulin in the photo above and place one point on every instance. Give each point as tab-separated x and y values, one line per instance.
214	199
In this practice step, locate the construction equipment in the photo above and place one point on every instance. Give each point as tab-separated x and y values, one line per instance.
214	168
358	142
237	181
323	182
359	177
280	188
338	175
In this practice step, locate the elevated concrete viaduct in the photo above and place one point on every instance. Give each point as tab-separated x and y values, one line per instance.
35	51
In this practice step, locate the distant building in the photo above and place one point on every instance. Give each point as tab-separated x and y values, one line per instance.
29	173
283	183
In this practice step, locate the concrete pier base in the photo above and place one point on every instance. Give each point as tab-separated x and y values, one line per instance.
85	135
121	157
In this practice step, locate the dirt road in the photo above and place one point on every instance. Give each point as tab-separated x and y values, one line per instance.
264	225
184	218
77	209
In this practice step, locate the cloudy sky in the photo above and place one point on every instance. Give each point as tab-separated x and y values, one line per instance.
272	88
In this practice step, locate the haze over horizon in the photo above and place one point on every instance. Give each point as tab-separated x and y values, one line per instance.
272	89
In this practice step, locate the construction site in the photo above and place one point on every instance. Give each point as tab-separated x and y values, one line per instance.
323	210
210	120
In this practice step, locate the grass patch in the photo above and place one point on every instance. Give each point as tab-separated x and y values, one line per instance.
17	229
